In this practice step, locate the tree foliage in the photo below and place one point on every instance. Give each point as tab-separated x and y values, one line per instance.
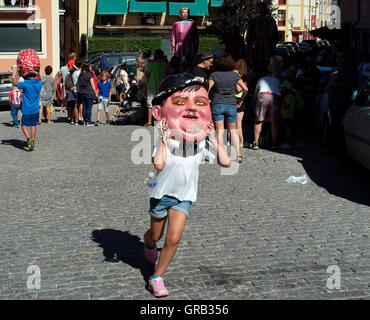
234	12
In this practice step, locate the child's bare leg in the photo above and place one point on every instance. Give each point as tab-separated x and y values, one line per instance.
48	114
175	228
40	113
75	113
26	132
33	133
116	111
155	233
98	116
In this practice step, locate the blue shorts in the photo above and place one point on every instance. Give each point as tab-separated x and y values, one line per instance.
158	207
29	120
225	112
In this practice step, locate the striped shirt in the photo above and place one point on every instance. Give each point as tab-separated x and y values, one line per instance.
15	97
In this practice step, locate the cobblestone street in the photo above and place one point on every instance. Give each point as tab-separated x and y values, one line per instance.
77	208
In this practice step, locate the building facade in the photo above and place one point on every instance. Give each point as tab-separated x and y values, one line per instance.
355	18
296	18
35	26
136	18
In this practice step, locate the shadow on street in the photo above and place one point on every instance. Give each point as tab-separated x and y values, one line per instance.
336	173
20	144
123	246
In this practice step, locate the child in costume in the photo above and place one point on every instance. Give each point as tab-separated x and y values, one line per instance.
28	64
183	109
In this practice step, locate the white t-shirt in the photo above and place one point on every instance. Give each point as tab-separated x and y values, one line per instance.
179	177
269	84
75	76
64	71
124	74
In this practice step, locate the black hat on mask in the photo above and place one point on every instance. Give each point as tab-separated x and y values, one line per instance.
177	82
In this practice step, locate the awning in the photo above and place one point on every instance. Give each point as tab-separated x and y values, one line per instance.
197	8
328	34
217	3
112	7
147	6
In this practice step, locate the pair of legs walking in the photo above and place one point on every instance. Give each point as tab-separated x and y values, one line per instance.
220	114
45	110
258	129
175	228
29	126
14	109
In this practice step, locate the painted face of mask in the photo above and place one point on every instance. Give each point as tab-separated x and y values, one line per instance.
187	113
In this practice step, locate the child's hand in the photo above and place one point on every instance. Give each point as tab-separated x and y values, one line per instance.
212	133
163	129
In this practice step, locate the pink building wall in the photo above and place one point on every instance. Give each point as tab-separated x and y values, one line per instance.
45	12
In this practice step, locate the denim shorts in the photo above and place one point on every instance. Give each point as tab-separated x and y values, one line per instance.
159	207
226	112
29	120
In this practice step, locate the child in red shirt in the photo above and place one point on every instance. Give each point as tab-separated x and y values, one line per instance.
72	61
15	98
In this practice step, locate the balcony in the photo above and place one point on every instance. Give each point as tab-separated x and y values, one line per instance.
7	6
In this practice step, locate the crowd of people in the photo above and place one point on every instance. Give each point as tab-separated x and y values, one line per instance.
282	93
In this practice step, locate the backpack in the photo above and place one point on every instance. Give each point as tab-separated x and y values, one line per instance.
69	83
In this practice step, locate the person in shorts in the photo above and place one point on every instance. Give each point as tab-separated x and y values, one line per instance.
267	94
105	93
31	87
183	109
223	83
47	94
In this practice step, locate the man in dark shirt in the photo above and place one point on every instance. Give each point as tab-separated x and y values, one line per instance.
204	63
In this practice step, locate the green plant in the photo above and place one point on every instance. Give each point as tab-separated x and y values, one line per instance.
207	44
125	44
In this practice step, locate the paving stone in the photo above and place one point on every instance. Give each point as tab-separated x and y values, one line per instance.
77	207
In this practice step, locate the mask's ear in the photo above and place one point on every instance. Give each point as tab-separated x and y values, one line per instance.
157	112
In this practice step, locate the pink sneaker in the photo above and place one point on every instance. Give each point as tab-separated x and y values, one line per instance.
151	254
156	286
